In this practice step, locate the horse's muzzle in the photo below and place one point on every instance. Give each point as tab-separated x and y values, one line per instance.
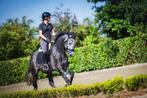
70	52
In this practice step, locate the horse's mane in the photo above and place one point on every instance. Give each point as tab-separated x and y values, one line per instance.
59	35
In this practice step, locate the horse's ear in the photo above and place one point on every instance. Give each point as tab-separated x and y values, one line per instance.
66	37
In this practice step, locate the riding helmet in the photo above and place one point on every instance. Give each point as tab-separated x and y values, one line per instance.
45	14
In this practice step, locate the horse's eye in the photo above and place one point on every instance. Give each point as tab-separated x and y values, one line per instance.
70	43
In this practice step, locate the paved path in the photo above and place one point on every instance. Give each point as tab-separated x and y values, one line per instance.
83	78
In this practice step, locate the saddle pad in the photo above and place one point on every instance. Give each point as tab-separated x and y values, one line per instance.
39	58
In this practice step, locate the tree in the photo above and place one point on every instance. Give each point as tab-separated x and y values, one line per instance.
121	18
74	23
16	37
65	21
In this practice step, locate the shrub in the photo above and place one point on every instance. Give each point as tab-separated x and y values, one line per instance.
112	86
135	82
17	38
110	53
70	91
13	71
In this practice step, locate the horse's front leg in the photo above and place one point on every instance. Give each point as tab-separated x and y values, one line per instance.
50	78
67	70
71	75
65	75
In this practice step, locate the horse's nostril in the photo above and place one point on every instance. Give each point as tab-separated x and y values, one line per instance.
70	52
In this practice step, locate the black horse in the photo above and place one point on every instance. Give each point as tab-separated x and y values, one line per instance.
57	60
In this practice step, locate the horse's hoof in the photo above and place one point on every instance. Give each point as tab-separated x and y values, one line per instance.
66	85
52	85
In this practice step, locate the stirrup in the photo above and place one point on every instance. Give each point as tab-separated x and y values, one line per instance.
45	67
40	49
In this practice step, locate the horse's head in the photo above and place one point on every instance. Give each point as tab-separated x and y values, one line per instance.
70	41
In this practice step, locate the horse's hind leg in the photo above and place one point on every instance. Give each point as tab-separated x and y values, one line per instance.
50	78
34	81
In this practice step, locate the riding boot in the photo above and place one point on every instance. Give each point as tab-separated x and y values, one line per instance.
45	65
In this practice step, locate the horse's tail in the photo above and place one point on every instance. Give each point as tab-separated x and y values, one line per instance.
29	76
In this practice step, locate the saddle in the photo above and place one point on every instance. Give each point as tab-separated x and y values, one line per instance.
40	59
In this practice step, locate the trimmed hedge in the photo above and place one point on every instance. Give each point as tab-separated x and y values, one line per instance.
109	87
107	54
110	53
112	86
13	71
134	83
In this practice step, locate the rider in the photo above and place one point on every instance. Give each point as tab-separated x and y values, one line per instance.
45	29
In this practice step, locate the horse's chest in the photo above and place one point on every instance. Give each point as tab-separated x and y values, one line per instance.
59	57
64	60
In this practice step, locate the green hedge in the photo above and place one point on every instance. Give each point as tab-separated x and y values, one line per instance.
134	83
13	71
112	86
110	53
109	87
107	54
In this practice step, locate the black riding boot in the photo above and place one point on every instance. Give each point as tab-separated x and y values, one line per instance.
45	65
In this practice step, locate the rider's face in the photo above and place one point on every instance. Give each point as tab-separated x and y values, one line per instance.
47	19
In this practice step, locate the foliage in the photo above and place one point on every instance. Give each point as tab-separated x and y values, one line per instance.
87	33
136	82
111	86
13	71
16	38
107	54
121	18
65	21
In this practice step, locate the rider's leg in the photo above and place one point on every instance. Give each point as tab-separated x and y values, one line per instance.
44	47
45	57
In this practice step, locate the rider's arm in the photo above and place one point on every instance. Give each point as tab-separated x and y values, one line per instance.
41	32
41	35
53	31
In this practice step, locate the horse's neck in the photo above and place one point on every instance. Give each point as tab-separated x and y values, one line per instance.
59	45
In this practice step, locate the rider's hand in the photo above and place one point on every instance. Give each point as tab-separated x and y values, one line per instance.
43	37
47	41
